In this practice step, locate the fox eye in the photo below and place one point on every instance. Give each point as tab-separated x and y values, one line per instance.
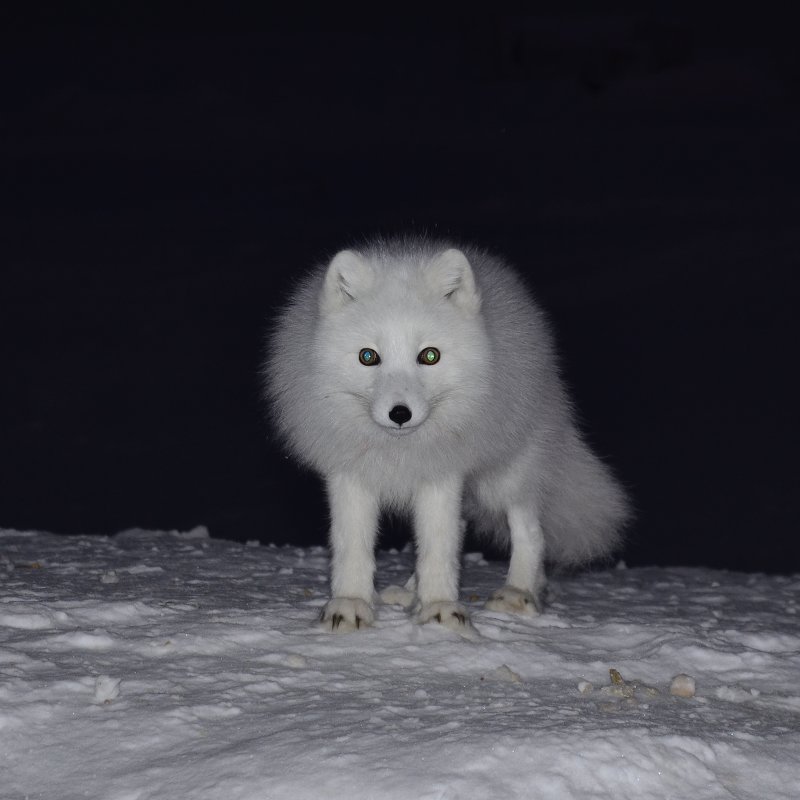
368	357
430	355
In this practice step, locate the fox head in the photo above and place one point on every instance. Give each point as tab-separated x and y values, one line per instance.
402	341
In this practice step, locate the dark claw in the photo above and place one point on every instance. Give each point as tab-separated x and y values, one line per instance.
460	617
438	617
358	623
336	620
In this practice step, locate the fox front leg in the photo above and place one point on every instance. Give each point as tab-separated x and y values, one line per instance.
438	530
354	524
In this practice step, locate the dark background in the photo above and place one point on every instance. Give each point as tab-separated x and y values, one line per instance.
163	180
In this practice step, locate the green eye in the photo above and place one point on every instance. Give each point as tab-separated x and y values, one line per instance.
368	357
430	355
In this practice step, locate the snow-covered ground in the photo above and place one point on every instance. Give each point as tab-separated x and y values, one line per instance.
172	665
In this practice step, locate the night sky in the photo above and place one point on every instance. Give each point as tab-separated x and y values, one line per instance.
164	181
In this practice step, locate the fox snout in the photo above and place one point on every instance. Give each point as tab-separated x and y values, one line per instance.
397	414
399	404
400	414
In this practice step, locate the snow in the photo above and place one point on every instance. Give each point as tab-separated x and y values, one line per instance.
165	664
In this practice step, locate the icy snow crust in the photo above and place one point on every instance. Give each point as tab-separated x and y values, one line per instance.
153	665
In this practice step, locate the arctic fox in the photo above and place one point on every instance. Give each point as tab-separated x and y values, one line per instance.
418	377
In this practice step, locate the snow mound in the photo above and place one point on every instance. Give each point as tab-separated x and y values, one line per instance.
149	665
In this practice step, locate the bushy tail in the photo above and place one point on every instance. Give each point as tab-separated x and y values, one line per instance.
585	508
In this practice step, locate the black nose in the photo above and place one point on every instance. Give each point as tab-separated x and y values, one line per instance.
400	415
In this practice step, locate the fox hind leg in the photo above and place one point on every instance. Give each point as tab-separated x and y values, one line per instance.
405	595
525	583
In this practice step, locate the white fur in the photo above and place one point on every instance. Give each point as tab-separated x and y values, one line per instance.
491	436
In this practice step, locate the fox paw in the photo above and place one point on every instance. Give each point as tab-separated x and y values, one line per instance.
452	615
515	601
346	614
397	596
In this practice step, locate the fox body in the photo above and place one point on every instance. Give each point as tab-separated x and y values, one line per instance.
420	377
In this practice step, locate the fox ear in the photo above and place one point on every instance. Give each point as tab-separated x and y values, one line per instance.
347	278
450	275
